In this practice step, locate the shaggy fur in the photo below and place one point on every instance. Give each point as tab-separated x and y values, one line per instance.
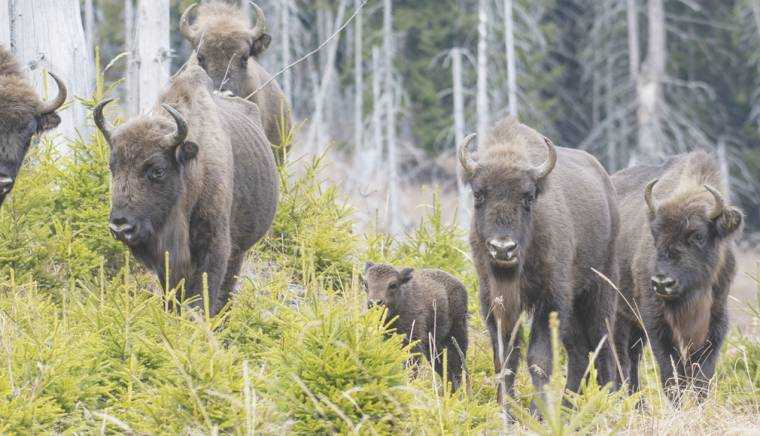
21	117
209	208
564	224
228	52
430	307
680	241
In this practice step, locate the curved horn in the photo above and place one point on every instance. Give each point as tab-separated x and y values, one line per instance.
100	121
52	106
179	136
720	203
468	163
184	25
648	196
544	169
261	22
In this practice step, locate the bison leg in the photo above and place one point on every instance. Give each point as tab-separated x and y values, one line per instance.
505	365
635	348
457	352
540	353
578	349
597	311
213	262
230	279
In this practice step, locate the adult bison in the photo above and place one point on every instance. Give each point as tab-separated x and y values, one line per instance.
544	217
22	115
228	50
196	178
677	264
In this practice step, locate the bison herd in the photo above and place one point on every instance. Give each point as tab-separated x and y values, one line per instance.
195	185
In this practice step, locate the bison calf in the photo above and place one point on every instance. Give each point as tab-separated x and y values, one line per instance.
22	115
431	308
544	218
677	264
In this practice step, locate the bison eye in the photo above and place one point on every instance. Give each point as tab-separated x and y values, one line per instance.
479	197
697	239
156	173
201	61
243	61
527	200
393	286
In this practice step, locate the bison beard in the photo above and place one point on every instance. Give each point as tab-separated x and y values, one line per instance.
544	217
22	115
677	264
201	185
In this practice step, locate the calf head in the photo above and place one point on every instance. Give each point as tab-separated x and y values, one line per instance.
224	45
383	284
22	115
148	158
690	231
505	191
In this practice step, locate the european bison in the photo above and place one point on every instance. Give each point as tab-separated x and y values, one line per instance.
677	264
22	115
544	216
196	178
431	305
228	50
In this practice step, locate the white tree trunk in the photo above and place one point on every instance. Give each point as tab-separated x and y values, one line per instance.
153	50
287	81
57	46
725	171
459	132
132	78
377	111
89	25
482	97
358	91
394	221
509	42
633	40
649	89
5	23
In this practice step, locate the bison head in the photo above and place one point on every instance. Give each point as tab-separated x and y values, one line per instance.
148	157
383	284
505	192
22	116
224	46
688	231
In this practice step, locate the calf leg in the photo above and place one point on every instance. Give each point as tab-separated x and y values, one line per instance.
457	353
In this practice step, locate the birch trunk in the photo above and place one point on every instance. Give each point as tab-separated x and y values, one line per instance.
89	25
649	89
394	223
287	81
5	23
482	97
132	79
459	128
57	46
509	43
358	91
377	111
153	50
633	40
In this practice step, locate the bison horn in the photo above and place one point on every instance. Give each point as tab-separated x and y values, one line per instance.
261	22
468	163
53	106
720	203
648	196
544	169
179	136
100	121
184	25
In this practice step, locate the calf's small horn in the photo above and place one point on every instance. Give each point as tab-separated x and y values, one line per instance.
179	136
648	196
720	203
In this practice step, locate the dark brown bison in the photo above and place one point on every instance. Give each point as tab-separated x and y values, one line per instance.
22	115
677	263
196	178
544	216
228	50
430	307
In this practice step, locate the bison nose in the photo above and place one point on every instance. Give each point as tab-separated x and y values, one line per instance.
502	249
663	285
6	184
122	228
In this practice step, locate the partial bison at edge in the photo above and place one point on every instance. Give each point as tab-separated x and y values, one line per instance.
544	218
22	115
430	307
228	50
677	264
195	178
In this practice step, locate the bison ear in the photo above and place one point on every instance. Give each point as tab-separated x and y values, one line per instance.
405	276
47	122
260	45
729	222
186	151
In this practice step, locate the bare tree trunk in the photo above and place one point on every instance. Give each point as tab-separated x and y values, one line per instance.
394	223
58	46
649	89
633	40
377	110
153	50
459	128
132	78
509	43
89	25
725	171
482	103
287	81
5	23
359	90
609	84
